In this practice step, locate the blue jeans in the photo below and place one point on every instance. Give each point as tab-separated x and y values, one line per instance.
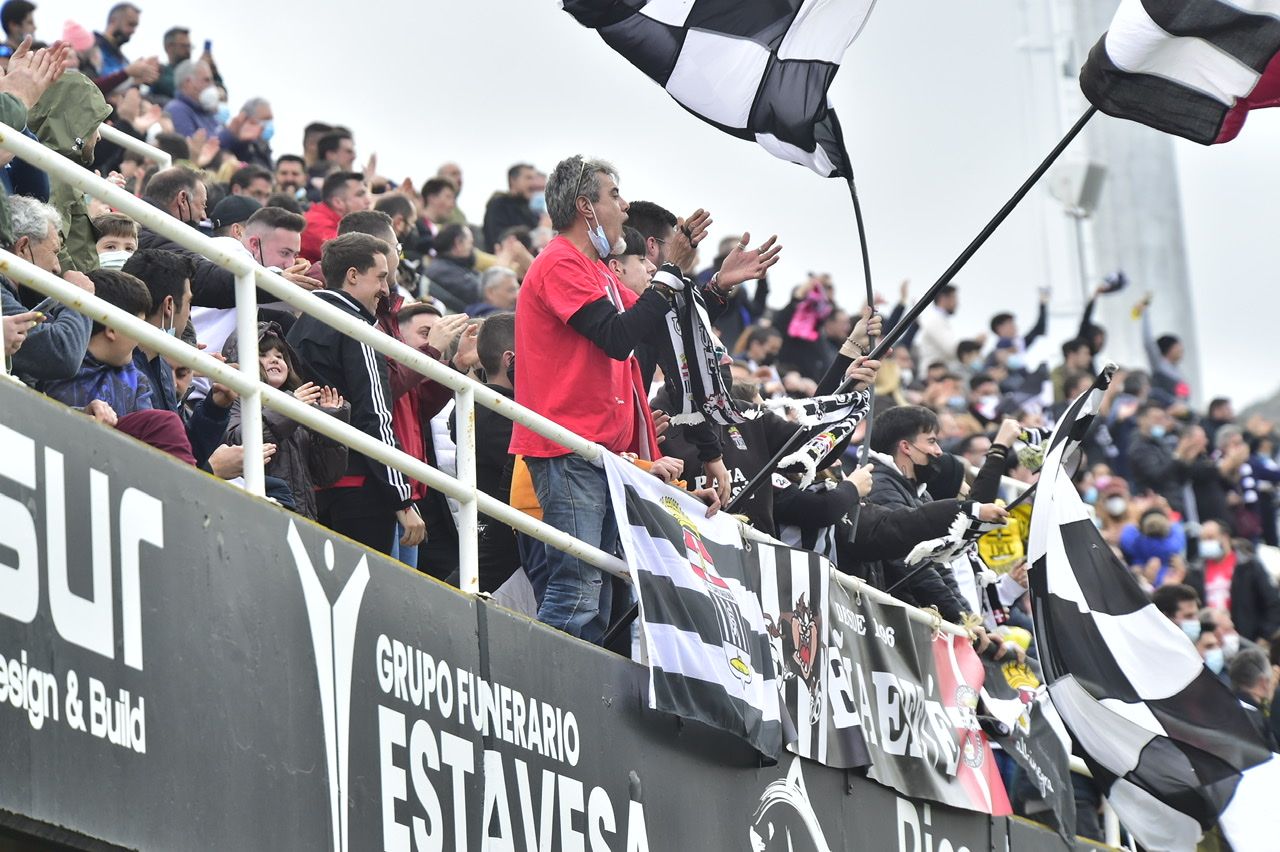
407	555
574	495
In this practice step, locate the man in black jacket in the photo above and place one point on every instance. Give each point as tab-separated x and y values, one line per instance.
1153	466
511	208
904	441
366	503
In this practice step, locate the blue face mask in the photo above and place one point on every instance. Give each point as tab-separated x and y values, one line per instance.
223	114
268	130
1191	627
1157	432
538	203
1016	362
1215	659
1091	495
597	236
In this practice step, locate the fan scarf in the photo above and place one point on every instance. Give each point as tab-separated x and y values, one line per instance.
694	359
850	407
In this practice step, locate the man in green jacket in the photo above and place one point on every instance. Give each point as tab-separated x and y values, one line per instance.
66	118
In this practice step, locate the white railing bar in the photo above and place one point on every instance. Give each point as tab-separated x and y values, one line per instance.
464	413
191	239
180	353
251	402
137	146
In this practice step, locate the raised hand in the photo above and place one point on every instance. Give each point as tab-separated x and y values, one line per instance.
863	372
446	330
466	357
682	250
744	264
330	398
30	74
308	393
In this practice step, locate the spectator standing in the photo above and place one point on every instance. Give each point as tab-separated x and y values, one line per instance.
453	276
937	339
19	21
439	202
371	498
343	192
1164	353
511	208
576	329
66	119
1153	466
1253	679
122	23
194	107
1235	580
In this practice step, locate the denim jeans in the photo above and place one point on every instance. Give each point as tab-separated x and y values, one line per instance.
574	495
407	555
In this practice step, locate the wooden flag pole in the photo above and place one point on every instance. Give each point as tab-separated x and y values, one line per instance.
892	336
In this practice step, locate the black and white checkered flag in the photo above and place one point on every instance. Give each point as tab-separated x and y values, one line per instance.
758	69
1168	744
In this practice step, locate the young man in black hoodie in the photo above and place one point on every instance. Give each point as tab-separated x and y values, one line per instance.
366	503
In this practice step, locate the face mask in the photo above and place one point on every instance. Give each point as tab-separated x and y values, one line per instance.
1091	495
956	403
906	377
1191	627
1231	644
208	98
987	405
511	370
1116	506
113	259
166	325
768	360
268	130
538	203
223	114
1157	432
598	239
1215	659
926	470
1016	362
1212	549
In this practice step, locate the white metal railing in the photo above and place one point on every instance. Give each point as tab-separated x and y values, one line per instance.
137	146
254	393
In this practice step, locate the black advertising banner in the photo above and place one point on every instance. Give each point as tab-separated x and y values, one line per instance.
188	668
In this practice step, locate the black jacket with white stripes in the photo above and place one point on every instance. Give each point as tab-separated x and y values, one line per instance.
329	357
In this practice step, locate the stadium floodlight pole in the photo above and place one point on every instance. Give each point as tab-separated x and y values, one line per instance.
891	337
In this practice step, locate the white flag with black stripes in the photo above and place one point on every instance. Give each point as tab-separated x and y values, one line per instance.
1169	745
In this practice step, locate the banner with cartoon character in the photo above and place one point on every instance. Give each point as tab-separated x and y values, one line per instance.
863	685
704	632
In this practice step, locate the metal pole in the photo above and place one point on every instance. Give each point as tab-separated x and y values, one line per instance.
251	402
137	146
464	413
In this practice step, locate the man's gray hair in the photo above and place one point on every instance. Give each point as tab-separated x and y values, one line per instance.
1225	434
493	276
1248	667
182	72
252	106
571	179
32	218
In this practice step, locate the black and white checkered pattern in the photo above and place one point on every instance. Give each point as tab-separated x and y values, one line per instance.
1168	743
1193	68
758	69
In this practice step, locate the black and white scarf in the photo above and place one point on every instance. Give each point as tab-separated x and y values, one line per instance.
805	460
695	362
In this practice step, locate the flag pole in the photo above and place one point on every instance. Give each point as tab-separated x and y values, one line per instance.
871	391
918	308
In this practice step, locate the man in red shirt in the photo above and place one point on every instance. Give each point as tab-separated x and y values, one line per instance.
576	329
1238	583
343	193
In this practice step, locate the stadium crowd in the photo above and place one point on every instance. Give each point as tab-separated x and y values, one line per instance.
549	297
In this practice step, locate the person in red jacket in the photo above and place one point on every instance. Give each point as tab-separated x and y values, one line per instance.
343	193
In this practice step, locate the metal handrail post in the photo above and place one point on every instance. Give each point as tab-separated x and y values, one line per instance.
464	413
251	402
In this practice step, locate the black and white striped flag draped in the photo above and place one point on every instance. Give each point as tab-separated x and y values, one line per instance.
1168	743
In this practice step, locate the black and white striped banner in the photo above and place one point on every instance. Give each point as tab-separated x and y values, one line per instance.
708	651
1193	68
1167	742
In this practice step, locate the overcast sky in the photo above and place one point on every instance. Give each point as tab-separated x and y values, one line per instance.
943	121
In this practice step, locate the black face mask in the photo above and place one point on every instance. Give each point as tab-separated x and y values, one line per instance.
768	360
926	471
511	370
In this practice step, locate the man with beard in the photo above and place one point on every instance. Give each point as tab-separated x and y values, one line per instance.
372	497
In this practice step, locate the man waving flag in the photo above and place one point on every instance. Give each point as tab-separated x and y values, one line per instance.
758	69
1168	744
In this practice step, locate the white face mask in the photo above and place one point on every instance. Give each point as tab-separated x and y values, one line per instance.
209	98
113	259
1211	549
